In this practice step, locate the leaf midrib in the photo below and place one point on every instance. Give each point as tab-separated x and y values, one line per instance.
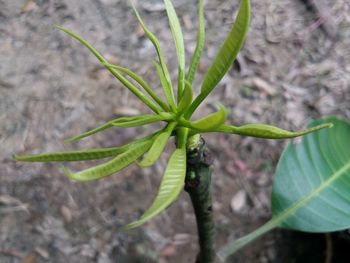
302	202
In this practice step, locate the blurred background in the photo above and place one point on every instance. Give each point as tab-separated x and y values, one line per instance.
295	66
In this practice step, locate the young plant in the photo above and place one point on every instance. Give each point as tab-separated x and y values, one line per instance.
176	114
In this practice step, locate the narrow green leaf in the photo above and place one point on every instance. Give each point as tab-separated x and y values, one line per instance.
72	156
115	165
209	123
226	55
143	84
124	122
158	146
179	44
105	63
268	131
163	82
311	186
186	99
91	132
142	120
199	46
170	187
167	87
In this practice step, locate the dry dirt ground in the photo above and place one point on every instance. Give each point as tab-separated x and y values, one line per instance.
295	66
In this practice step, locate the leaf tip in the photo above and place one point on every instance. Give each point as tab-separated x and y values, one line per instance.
68	173
132	225
16	157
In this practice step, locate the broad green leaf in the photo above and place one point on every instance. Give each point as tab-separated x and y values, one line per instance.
143	84
115	165
186	99
199	46
158	146
179	44
170	187
124	122
167	87
142	120
311	186
105	63
268	131
211	122
72	156
226	55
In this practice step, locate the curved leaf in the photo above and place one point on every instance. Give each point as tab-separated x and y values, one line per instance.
158	146
268	131
186	99
199	46
105	63
211	122
142	83
115	165
124	122
226	55
72	156
142	120
311	185
167	87
179	44
91	132
170	187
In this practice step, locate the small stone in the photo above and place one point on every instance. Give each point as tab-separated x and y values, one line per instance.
239	201
168	251
67	214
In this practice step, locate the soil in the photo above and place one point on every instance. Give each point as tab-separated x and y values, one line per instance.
295	66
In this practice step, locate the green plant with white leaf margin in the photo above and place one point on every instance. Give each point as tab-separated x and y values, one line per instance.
175	112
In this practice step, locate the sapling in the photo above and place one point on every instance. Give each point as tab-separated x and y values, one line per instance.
189	163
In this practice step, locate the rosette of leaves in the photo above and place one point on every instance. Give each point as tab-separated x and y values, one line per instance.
175	111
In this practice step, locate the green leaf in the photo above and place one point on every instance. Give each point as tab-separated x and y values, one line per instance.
170	187
124	122
226	55
199	46
158	146
91	132
129	122
311	186
143	84
268	131
105	63
179	44
211	122
72	156
186	99
115	165
167	87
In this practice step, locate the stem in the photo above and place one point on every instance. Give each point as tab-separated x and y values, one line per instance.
197	184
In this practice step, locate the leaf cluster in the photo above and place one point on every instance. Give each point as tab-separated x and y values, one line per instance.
175	111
